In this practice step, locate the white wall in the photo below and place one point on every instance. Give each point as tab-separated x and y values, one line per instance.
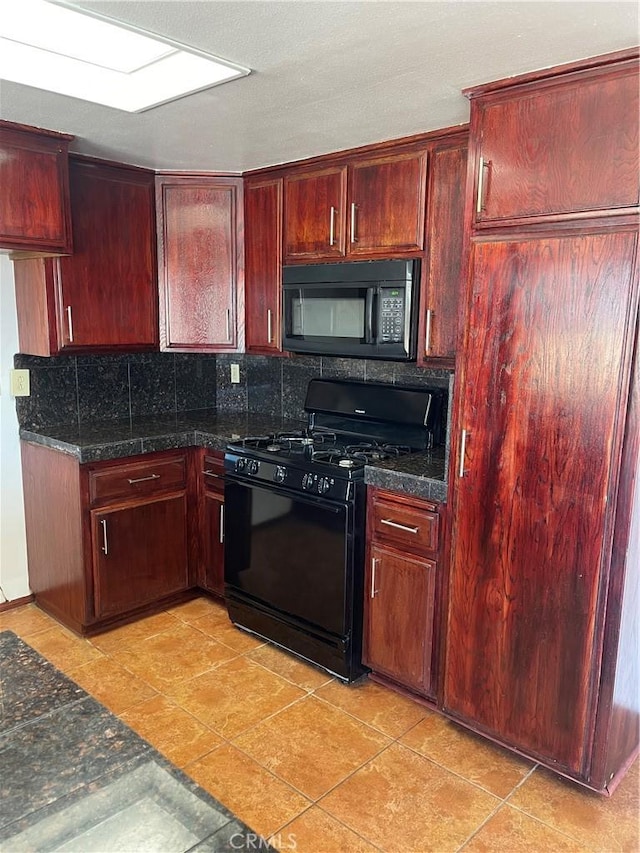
14	582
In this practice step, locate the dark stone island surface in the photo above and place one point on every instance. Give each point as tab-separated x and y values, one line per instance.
421	475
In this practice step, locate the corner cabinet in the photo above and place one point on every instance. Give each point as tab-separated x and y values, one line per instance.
400	590
371	207
263	265
117	543
200	263
541	650
104	295
35	213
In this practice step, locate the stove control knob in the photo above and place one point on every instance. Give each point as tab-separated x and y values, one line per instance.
279	474
253	466
324	484
241	464
307	481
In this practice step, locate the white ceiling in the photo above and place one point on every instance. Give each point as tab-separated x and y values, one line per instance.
325	75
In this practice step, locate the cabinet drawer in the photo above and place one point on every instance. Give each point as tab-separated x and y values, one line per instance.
410	528
213	471
138	478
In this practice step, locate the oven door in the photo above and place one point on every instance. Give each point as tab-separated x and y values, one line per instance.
290	553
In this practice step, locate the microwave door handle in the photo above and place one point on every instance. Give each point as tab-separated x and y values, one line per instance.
368	319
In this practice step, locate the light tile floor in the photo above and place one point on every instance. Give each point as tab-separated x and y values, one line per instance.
313	765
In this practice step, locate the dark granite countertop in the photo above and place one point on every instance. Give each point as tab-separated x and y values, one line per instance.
421	475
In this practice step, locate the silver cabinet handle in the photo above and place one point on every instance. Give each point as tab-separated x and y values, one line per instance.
143	479
105	543
374	591
221	524
427	336
354	238
70	323
404	527
212	474
268	325
463	448
480	200
332	227
228	318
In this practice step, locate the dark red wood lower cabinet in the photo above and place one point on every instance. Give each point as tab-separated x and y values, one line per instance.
212	568
543	401
139	554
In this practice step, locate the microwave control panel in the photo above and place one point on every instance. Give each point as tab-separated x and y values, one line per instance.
391	313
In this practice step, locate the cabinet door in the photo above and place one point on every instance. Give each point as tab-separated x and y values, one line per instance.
544	367
139	553
198	258
263	265
314	214
442	287
569	148
107	290
34	201
212	570
387	204
399	605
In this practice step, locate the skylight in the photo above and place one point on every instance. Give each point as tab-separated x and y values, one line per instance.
64	50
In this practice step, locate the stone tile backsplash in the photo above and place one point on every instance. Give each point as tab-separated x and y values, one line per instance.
81	389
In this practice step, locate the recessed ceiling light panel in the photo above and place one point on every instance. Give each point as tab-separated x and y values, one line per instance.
64	50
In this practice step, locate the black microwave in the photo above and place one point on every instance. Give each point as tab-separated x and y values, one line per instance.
360	309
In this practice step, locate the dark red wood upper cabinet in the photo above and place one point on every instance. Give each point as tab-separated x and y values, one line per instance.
544	388
104	296
35	213
566	146
314	213
386	199
440	296
200	259
263	265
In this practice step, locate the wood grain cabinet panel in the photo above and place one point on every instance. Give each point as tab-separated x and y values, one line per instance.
315	213
386	198
442	284
201	267
211	514
35	214
399	616
547	366
139	554
104	296
263	265
564	148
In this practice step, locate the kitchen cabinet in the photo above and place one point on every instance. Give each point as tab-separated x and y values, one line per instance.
541	654
263	265
373	206
104	296
562	147
315	205
201	263
211	499
118	542
441	291
35	213
400	589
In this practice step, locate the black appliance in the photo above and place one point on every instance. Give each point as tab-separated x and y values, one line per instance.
364	309
295	515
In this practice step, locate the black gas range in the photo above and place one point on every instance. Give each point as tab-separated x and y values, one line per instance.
295	515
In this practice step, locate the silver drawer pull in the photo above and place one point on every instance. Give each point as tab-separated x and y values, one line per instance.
212	474
404	527
105	543
143	479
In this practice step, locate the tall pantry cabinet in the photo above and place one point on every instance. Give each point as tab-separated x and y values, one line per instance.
541	649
